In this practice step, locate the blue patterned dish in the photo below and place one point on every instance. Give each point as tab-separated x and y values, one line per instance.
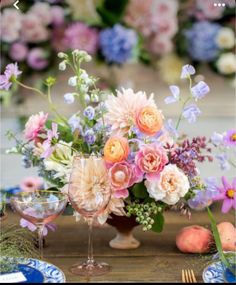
216	273
38	271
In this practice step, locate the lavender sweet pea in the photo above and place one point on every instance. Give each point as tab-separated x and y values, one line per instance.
223	161
191	113
200	90
217	139
175	95
187	70
170	128
75	123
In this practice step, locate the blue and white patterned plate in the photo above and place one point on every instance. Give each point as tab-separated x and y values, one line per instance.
38	271
216	273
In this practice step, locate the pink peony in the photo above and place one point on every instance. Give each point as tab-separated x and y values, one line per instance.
18	51
58	16
80	36
43	12
161	45
35	125
30	184
151	159
33	30
37	59
11	20
205	9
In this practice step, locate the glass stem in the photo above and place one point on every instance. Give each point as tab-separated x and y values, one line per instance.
90	241
40	240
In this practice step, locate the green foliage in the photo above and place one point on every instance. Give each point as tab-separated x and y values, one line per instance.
158	223
111	12
139	190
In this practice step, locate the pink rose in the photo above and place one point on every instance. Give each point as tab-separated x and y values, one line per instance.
58	16
33	30
35	125
151	160
10	25
30	184
37	59
18	51
43	12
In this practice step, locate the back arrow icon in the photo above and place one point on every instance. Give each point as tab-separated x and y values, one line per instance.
15	4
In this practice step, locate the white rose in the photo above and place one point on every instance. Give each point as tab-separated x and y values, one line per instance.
170	187
226	64
225	38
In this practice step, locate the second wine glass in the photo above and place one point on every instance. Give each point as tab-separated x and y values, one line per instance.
89	194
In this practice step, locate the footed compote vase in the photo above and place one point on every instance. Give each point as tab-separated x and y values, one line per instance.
124	238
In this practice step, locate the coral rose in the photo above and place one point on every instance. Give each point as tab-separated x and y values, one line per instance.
35	125
116	149
149	120
151	160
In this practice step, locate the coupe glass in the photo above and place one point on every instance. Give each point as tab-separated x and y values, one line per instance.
39	208
89	194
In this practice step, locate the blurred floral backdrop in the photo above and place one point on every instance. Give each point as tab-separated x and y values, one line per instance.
161	33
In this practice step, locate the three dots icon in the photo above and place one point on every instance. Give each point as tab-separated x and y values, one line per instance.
219	4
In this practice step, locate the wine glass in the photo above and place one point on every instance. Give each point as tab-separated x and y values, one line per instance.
89	194
39	208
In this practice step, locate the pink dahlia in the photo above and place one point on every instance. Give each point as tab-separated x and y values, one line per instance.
123	109
151	159
35	125
30	184
80	36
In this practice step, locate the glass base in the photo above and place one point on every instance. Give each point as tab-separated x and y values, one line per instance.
90	269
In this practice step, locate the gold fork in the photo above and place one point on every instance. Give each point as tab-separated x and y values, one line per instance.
188	276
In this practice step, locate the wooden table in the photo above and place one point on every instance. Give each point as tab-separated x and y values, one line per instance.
156	260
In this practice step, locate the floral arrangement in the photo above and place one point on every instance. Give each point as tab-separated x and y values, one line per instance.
151	168
163	33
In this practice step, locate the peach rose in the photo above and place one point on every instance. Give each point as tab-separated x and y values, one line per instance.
149	120
116	149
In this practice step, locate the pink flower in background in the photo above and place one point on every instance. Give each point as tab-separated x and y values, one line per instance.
165	26
230	138
161	45
151	159
205	9
11	20
80	36
18	51
121	194
33	30
58	15
35	126
25	224
58	42
43	12
227	193
37	59
6	3
30	184
6	78
48	144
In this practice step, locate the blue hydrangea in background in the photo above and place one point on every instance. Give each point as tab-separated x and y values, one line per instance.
201	39
117	44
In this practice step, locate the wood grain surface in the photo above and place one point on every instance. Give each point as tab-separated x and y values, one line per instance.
156	260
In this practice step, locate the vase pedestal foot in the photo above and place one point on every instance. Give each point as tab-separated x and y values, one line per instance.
124	241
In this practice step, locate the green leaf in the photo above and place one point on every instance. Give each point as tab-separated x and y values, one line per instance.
158	223
139	190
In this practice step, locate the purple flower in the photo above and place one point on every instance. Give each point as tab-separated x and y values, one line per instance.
200	90
48	144
200	201
10	73
74	123
69	98
175	92
223	161
18	51
191	112
227	193
26	224
89	112
230	138
187	70
170	128
37	59
90	137
217	139
117	43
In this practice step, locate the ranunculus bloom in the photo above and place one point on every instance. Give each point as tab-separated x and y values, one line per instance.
30	184
116	149
149	120
34	125
170	187
151	160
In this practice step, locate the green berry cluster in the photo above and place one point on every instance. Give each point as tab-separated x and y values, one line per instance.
144	213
